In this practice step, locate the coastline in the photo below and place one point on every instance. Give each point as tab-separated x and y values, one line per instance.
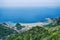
33	24
28	24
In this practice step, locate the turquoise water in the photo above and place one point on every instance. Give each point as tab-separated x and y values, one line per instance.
28	15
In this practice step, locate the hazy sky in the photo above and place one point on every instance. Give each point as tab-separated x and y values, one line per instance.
29	3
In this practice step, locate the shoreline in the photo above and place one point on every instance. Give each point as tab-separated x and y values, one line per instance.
28	24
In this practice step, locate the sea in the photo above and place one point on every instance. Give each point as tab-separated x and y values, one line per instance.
28	15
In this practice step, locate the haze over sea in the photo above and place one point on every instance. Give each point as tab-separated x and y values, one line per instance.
27	15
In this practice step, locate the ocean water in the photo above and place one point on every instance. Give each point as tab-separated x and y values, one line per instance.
28	15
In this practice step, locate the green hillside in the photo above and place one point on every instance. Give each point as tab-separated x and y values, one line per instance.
4	31
38	33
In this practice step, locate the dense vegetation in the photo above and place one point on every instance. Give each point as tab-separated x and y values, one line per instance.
38	33
5	31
